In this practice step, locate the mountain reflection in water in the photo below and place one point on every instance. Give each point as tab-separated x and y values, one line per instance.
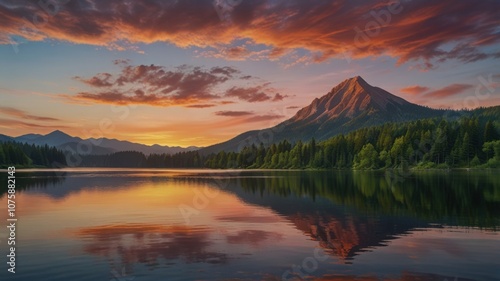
260	224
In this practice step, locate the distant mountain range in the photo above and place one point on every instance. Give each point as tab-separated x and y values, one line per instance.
99	146
351	105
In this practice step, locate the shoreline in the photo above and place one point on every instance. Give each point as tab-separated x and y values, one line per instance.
413	169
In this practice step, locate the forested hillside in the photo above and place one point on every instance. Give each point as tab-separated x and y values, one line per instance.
423	143
25	155
429	143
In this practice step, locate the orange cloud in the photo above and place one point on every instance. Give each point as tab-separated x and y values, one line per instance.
233	113
236	53
253	117
200	105
450	90
414	90
99	80
13	124
279	97
16	113
266	117
405	30
257	93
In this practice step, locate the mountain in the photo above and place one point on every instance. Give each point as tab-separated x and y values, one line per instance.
56	138
106	146
28	137
351	105
99	146
4	138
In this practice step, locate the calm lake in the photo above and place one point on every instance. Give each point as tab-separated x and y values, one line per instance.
90	224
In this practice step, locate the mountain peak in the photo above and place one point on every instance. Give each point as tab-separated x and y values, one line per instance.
352	97
57	133
355	83
356	79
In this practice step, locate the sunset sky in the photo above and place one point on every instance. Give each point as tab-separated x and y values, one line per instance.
198	72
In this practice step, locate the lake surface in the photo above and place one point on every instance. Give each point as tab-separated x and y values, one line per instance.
86	224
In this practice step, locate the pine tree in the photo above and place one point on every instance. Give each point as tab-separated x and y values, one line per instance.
465	151
2	156
397	151
366	158
490	132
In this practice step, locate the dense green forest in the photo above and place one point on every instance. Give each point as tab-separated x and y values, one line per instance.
423	144
25	155
430	143
134	159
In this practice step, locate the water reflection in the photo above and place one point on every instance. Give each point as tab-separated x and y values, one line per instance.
150	243
458	198
263	222
254	238
33	181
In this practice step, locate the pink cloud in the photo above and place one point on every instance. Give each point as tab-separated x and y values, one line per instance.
415	90
411	31
184	85
448	91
